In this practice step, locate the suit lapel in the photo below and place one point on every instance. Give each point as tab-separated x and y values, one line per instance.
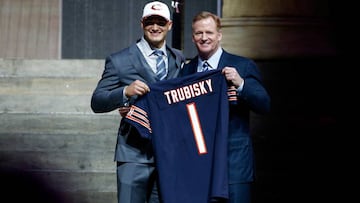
192	66
223	60
172	62
140	64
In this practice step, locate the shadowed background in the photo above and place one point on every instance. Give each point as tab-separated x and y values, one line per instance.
52	54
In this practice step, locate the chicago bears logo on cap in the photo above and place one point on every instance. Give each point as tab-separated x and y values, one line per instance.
156	8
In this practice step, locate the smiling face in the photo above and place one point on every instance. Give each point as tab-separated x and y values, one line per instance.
155	30
206	36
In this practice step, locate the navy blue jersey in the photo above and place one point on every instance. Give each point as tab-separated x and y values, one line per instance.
187	120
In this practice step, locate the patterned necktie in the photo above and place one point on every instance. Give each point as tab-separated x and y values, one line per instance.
160	65
205	66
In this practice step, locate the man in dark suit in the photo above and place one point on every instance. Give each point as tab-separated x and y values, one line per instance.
242	74
126	76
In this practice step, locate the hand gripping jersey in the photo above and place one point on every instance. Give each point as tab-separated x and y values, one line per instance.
187	120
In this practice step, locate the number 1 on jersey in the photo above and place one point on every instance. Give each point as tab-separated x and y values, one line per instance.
196	127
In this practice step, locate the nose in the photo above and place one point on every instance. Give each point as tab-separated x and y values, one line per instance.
204	36
155	26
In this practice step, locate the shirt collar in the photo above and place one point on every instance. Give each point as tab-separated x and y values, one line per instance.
213	61
146	49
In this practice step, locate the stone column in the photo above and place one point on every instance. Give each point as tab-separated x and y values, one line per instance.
263	29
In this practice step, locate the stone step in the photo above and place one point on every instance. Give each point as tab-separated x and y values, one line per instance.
80	181
68	186
46	95
45	104
33	89
95	161
90	197
88	124
59	142
77	104
46	86
51	68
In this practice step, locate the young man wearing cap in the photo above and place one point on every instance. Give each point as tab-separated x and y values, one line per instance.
126	76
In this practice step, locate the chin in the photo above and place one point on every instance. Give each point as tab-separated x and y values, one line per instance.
156	38
204	50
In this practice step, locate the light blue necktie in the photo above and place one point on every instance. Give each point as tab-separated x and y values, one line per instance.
160	65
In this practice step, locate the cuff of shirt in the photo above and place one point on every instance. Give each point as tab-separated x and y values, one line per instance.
240	88
125	98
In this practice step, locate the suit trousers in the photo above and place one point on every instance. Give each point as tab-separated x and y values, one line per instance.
136	183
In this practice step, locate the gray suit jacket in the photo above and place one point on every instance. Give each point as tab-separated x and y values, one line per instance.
121	69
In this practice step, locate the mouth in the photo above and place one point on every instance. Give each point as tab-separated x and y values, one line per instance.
157	33
204	45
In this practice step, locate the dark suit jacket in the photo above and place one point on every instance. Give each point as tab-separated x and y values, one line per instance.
254	97
121	69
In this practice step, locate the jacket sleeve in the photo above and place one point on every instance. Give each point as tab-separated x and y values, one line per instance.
108	94
254	93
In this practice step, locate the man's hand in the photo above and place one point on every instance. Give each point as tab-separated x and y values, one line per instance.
232	76
136	88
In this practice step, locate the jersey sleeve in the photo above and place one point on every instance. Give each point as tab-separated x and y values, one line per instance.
138	117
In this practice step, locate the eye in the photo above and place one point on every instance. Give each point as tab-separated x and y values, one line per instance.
151	20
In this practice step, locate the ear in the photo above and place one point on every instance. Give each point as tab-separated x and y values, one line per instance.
142	25
170	25
219	35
